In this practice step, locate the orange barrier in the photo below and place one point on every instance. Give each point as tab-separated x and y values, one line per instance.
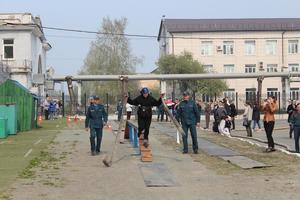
68	119
40	119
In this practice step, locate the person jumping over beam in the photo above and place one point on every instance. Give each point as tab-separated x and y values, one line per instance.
145	102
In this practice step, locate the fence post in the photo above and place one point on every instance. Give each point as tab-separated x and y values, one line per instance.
107	103
279	102
63	103
84	103
237	101
135	138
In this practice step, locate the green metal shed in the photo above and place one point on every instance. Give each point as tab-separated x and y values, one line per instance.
12	92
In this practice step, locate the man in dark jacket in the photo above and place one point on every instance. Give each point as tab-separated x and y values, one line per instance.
188	113
290	109
96	118
145	102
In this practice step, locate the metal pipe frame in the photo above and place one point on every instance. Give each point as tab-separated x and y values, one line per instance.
176	76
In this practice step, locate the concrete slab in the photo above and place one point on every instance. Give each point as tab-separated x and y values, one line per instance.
157	175
244	162
215	150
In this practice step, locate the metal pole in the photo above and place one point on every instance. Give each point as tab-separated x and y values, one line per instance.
63	103
177	76
84	103
107	103
279	102
237	101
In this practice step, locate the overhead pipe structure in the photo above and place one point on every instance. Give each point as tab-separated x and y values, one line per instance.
260	76
176	76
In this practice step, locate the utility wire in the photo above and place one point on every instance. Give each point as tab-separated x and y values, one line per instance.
147	36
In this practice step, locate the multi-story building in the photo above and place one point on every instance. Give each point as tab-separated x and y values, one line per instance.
238	46
23	49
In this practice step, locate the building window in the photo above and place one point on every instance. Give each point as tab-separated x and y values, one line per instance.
272	68
271	47
293	46
230	94
228	47
208	68
206	48
293	67
251	95
272	92
294	93
8	47
250	68
250	47
228	68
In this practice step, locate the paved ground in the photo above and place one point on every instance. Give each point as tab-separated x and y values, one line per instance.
72	173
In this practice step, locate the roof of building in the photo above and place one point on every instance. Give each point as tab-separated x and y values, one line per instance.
226	25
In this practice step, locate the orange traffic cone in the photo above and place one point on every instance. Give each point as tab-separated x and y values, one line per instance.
68	119
40	119
75	118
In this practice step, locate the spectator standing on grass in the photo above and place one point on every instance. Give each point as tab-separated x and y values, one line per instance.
52	109
295	122
207	112
247	118
290	109
128	110
233	114
269	108
46	104
256	117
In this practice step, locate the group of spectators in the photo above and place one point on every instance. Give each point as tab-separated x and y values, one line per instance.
51	108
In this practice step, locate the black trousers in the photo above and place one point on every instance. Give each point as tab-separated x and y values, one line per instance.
269	126
144	125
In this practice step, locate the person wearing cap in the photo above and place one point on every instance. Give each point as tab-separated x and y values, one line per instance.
145	102
189	117
96	118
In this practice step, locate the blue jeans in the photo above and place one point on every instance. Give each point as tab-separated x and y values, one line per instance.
256	122
296	137
95	133
193	131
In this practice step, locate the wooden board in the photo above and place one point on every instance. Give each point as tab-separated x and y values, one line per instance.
175	122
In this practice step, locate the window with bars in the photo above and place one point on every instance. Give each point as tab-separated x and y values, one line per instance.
271	47
228	47
293	67
251	95
8	48
206	48
230	94
250	68
272	92
293	46
228	69
208	68
272	68
250	47
294	93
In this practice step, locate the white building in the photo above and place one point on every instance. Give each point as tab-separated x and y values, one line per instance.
23	49
239	46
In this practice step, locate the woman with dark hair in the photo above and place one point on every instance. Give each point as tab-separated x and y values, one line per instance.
247	118
269	107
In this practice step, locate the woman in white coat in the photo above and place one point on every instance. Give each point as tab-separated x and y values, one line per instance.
247	118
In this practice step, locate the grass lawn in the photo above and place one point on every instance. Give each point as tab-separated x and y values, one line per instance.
18	151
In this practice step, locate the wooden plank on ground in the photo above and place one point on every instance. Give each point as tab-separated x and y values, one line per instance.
244	162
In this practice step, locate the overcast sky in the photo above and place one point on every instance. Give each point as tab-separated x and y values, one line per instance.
69	49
